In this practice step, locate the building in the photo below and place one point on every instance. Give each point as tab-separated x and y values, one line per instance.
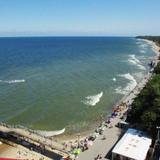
134	145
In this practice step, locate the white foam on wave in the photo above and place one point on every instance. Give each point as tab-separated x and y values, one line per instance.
114	79
13	81
130	86
142	51
138	75
138	43
142	43
93	99
50	133
133	60
144	46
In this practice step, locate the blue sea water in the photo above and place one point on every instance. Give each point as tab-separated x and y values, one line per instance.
52	83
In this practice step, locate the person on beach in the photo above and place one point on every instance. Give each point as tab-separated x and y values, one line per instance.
98	157
104	137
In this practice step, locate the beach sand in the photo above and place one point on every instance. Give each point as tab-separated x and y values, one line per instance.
18	152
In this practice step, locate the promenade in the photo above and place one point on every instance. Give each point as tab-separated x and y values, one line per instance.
28	138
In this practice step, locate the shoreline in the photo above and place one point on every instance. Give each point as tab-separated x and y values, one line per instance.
85	131
113	133
128	99
156	49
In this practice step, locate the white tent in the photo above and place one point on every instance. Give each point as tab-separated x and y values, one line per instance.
133	145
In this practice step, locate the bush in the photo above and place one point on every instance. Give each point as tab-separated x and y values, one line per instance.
145	111
157	69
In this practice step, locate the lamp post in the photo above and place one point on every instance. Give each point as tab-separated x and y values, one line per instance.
78	139
158	133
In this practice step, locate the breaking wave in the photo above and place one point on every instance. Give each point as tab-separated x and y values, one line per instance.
93	99
13	81
50	133
130	86
142	51
133	60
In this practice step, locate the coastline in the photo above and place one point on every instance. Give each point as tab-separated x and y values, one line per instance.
128	99
155	47
84	134
112	134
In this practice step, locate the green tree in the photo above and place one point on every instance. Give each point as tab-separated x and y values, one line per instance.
148	120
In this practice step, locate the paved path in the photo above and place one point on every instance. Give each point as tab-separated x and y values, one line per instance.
101	146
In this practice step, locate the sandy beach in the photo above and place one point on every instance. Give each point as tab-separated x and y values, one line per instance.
12	150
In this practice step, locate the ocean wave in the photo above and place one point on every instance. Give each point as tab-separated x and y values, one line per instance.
139	42
143	45
130	86
138	75
133	60
13	81
50	133
142	51
93	99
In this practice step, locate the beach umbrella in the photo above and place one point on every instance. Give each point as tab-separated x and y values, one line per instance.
77	151
94	135
72	156
102	128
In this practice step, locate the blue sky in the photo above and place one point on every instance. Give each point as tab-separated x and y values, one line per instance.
79	17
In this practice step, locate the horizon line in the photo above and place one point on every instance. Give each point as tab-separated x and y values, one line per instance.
25	36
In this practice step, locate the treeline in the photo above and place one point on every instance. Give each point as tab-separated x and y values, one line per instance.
153	38
145	111
157	69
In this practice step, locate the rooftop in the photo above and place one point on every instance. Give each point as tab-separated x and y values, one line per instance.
134	144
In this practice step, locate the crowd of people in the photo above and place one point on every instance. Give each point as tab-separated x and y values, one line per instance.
76	147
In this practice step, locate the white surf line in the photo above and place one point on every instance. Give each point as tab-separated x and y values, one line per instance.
13	81
130	86
93	99
134	61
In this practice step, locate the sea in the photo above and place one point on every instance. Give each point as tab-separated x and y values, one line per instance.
50	83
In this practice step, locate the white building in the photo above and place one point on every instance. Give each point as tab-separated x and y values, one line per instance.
134	145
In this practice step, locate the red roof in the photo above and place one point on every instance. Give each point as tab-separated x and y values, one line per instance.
9	159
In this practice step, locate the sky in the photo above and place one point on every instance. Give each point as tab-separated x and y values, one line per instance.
79	17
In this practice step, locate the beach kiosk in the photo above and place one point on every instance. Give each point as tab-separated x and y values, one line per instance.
134	145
